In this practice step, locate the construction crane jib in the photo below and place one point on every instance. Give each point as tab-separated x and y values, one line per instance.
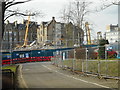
26	33
88	36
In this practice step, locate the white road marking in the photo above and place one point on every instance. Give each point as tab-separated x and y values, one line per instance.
76	78
24	85
27	69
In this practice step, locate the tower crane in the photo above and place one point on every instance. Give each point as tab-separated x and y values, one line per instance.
88	36
26	33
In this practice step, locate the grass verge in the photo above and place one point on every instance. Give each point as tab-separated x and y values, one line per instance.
11	67
104	67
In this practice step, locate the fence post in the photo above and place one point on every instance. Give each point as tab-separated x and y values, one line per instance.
56	58
98	67
82	65
53	58
73	63
86	60
106	61
63	58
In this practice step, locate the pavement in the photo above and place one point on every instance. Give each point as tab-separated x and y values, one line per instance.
46	75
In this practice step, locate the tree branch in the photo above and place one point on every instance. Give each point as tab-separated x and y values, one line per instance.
116	3
106	4
10	13
11	3
17	13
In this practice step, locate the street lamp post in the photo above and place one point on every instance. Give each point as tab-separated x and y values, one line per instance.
11	46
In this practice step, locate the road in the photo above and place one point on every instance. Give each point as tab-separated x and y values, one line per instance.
45	75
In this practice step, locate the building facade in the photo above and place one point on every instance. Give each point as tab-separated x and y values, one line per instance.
59	34
15	33
46	31
74	35
112	34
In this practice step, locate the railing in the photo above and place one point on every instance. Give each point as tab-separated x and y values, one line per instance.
87	61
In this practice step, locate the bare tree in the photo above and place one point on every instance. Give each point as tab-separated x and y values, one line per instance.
17	12
6	12
76	12
106	4
5	5
66	13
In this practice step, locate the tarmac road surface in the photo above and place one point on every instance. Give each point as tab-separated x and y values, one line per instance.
46	75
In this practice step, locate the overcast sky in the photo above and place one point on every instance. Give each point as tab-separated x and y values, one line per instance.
52	8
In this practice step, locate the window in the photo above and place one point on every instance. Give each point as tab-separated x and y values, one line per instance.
15	39
10	32
14	33
41	39
10	38
21	55
27	55
38	52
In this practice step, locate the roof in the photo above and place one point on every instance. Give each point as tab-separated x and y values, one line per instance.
48	22
14	26
21	26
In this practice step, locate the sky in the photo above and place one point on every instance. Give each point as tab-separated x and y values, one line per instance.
97	20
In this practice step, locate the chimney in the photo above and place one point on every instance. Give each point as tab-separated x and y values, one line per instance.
7	21
53	18
23	22
15	23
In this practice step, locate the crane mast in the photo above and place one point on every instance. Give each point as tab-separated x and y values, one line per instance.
26	33
88	36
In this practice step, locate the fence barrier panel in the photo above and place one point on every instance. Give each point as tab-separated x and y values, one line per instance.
87	60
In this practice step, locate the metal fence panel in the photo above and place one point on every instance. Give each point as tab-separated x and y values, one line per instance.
87	60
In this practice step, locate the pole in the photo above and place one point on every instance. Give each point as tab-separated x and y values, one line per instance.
26	33
106	61
1	23
79	38
86	61
1	31
73	64
73	38
99	67
82	65
11	47
86	29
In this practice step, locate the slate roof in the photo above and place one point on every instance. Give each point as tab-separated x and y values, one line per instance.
19	26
